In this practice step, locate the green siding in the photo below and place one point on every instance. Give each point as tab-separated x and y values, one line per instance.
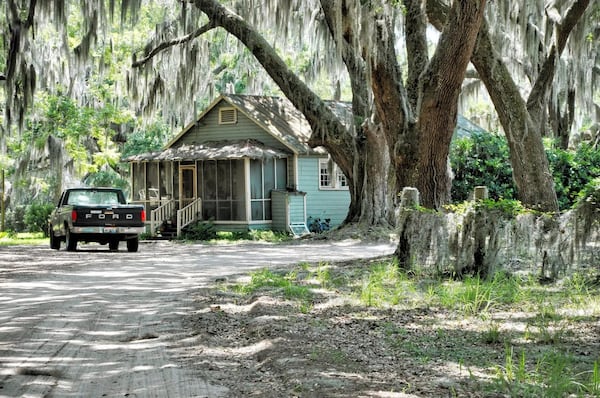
321	203
296	208
209	129
279	205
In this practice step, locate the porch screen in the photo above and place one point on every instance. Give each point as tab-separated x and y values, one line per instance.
265	176
222	190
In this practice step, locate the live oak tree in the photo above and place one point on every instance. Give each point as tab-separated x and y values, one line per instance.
525	120
404	114
401	126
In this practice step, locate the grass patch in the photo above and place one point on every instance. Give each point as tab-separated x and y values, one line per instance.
285	284
22	238
427	320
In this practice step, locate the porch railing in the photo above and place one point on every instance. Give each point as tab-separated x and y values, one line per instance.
188	214
160	214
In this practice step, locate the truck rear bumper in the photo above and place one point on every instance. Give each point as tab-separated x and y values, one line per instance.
108	230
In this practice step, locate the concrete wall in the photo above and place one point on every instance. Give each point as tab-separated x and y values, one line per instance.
486	239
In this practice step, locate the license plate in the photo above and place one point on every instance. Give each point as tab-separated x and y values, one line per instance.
110	230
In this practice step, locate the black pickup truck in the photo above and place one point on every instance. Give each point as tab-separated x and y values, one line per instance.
95	215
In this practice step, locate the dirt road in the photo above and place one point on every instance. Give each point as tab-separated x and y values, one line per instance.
95	323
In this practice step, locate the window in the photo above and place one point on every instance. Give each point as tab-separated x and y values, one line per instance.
223	192
227	116
330	175
265	176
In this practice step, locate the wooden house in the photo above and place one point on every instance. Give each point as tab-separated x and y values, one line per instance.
243	164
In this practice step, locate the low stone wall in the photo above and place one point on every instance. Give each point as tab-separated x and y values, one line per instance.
486	239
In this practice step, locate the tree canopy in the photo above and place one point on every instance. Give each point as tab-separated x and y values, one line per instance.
538	62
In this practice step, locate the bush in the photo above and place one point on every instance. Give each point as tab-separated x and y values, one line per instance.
590	192
199	230
15	219
36	218
481	159
572	171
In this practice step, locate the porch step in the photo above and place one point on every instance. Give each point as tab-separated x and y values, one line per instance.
168	231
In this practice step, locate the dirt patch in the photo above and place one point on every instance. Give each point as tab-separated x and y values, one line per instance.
333	345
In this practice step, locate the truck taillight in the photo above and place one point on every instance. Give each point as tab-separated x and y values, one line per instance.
143	215
73	215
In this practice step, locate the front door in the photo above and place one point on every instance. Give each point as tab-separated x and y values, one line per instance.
188	184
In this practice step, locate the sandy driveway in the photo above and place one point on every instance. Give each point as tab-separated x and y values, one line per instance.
94	323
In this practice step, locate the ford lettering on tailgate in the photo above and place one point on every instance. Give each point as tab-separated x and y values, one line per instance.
111	216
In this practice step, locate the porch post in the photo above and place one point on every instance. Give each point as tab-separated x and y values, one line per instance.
248	190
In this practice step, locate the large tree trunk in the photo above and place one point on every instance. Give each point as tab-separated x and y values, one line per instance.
531	171
372	196
441	83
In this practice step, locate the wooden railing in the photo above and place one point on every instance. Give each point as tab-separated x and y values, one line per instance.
160	214
188	214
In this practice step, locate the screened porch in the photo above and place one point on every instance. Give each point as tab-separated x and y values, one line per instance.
234	192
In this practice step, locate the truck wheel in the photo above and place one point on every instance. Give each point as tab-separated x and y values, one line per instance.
133	244
71	240
113	245
54	241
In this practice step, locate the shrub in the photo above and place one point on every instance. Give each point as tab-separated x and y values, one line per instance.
36	218
572	171
15	219
199	230
481	159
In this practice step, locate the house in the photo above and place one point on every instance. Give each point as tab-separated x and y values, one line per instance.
243	164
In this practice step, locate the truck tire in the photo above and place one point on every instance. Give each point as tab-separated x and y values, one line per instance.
133	244
113	245
71	241
54	241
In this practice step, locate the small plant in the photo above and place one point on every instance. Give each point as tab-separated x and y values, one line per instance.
472	296
550	333
512	374
554	371
507	207
385	284
492	334
268	236
323	275
594	383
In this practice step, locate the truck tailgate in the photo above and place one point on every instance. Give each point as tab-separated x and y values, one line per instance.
121	216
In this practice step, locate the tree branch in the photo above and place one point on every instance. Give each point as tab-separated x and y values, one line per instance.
327	129
416	47
167	44
350	51
537	97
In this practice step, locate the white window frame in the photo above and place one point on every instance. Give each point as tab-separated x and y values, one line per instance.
334	175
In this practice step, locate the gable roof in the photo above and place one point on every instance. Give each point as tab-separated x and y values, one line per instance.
275	115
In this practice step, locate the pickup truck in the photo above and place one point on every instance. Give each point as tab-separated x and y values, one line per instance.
95	215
